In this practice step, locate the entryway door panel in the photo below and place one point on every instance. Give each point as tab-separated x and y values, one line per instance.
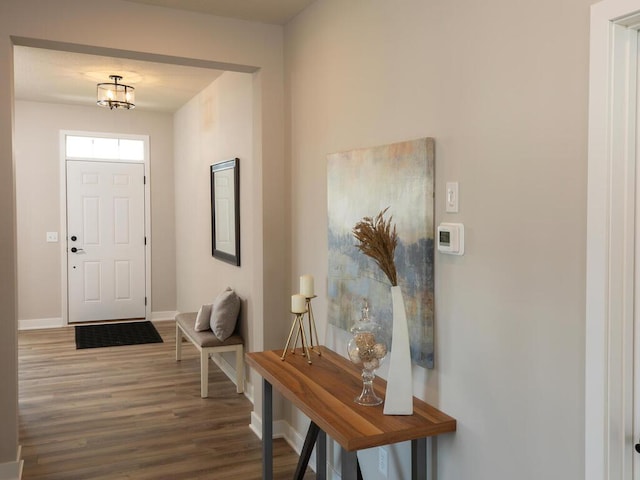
105	241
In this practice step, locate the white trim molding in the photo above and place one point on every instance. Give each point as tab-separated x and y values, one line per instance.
57	322
12	470
611	225
163	316
280	427
38	323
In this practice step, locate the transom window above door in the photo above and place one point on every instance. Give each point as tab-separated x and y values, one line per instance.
125	149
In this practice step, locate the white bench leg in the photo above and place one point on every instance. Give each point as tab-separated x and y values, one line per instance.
239	369
178	343
204	374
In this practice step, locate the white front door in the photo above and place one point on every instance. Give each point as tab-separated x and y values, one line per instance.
105	241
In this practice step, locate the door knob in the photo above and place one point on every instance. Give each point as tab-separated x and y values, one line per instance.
75	250
73	238
638	447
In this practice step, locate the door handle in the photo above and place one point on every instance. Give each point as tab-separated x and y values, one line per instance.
638	447
76	250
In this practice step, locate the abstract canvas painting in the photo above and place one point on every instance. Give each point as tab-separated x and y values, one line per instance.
361	183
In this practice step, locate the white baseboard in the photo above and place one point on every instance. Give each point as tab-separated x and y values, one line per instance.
296	441
160	316
280	427
12	470
248	388
57	322
37	323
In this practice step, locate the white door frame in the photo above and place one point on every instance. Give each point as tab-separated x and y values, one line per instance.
63	214
611	225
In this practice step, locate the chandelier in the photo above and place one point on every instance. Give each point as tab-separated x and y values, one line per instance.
116	95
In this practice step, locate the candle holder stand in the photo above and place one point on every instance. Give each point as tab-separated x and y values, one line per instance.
312	328
298	322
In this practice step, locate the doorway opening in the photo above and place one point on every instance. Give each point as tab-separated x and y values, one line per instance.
105	214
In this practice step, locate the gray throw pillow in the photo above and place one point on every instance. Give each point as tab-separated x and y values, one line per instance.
224	314
203	319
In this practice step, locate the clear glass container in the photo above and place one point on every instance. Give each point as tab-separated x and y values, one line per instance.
367	349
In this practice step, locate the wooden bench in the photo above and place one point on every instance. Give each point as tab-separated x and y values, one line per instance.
207	343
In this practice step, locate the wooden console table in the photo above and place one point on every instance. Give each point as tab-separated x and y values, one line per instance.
324	392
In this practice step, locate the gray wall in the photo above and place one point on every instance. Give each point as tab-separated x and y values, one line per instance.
502	87
37	154
214	126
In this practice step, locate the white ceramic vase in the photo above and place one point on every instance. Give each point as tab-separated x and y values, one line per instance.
399	396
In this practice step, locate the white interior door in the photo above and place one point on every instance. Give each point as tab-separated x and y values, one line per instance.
105	241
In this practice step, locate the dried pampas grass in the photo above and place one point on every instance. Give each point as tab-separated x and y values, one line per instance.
378	239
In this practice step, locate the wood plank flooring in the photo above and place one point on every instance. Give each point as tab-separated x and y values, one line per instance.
133	412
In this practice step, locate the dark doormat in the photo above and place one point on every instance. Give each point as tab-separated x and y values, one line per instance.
115	334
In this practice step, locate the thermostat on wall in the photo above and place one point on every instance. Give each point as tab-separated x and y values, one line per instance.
451	238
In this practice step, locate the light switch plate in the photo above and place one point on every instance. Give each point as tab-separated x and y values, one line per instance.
451	199
52	237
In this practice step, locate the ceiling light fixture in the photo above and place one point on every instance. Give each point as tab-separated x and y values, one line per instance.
116	95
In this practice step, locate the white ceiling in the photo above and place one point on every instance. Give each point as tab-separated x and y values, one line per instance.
277	12
64	77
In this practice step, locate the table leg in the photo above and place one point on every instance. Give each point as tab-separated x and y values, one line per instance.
267	430
321	456
349	465
309	442
419	459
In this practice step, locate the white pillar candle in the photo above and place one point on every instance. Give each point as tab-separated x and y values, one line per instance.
298	303
306	286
